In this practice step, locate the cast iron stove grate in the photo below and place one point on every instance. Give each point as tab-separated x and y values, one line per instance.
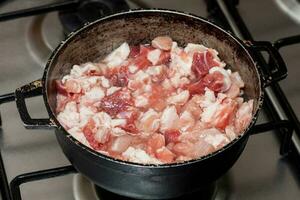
225	13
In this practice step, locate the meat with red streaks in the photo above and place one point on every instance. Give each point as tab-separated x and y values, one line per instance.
154	103
202	63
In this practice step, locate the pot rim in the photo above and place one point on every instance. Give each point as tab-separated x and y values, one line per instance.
72	35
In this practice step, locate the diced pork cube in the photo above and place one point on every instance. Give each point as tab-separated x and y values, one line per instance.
69	117
95	94
117	56
162	42
243	116
120	144
214	137
153	56
186	121
179	99
149	121
169	119
77	133
139	156
192	48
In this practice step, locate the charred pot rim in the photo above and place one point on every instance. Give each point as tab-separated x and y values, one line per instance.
189	19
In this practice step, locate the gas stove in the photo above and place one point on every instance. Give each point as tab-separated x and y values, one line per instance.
32	165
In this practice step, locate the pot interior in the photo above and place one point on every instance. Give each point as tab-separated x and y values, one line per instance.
135	27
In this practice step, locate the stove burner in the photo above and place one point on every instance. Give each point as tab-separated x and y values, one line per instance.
83	189
208	193
88	11
44	33
290	8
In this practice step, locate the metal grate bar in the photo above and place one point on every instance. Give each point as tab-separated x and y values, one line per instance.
38	175
5	193
39	10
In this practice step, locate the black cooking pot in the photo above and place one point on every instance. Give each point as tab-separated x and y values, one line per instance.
99	38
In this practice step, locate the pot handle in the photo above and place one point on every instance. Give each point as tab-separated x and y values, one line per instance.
278	69
30	90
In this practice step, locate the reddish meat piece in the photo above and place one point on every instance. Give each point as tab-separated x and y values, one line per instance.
89	132
120	144
155	142
243	116
171	136
157	98
63	97
202	62
73	86
116	71
162	42
94	72
233	92
61	102
119	80
130	128
130	125
193	150
226	113
119	76
165	155
70	88
164	58
134	51
195	88
199	67
61	89
115	103
141	60
145	49
74	97
214	81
